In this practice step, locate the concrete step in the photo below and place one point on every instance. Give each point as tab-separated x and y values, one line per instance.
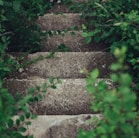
61	126
69	98
75	42
66	64
51	21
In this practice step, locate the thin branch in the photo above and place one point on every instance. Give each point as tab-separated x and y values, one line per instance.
6	33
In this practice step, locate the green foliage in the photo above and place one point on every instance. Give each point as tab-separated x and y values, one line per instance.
19	23
63	48
18	32
117	105
115	23
12	126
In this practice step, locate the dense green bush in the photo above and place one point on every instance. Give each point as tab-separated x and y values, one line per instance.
18	32
117	105
19	23
11	127
114	22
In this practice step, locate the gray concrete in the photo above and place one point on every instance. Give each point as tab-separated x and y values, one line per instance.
66	65
76	43
70	97
63	21
61	126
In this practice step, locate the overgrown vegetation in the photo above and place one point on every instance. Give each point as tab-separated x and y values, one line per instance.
19	32
115	23
120	118
18	20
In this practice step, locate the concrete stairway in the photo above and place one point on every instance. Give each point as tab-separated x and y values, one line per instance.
64	110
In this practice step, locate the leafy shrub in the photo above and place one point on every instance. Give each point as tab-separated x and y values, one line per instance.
19	32
19	23
117	105
115	23
11	126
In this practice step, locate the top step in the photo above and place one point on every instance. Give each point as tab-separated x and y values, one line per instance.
51	21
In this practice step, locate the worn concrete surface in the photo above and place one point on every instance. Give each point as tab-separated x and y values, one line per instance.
76	43
66	65
51	21
70	97
61	126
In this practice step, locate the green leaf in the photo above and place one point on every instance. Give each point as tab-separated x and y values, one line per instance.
10	123
22	118
38	97
72	33
89	81
51	80
90	88
38	87
16	5
115	66
45	86
102	130
88	39
31	136
22	129
34	116
28	123
90	34
58	80
112	116
1	2
31	91
25	99
94	74
27	115
101	6
114	77
127	128
84	34
1	105
84	27
126	79
53	87
17	122
24	108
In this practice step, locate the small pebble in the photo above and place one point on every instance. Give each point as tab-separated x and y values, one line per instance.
21	70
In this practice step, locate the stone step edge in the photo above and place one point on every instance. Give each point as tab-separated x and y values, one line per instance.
73	40
59	126
51	21
34	78
65	65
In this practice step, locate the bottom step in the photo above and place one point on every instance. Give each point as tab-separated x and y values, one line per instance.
62	126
